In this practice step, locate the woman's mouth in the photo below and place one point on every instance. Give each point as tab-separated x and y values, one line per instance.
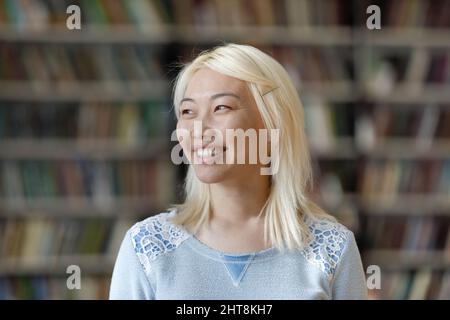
208	155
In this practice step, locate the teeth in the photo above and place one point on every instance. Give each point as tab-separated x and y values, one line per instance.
205	153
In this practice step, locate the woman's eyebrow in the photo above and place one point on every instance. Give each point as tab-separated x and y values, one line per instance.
215	96
219	95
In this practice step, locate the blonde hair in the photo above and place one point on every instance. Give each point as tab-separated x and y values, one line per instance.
280	108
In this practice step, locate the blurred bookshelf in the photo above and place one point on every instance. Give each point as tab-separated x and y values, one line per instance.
85	122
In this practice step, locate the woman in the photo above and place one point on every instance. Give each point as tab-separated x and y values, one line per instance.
241	233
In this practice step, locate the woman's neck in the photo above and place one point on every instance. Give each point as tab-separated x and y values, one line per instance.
238	203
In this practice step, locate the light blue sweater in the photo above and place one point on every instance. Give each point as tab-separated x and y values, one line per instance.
160	260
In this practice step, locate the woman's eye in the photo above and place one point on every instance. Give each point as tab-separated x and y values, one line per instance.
221	107
186	111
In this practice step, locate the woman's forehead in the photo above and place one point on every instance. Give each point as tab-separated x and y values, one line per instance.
206	82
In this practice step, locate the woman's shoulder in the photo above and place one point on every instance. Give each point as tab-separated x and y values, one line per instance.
327	244
156	235
326	227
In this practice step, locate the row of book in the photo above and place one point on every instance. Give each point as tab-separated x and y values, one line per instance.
414	13
43	14
53	288
303	13
92	181
408	232
126	122
386	71
394	285
129	65
421	284
28	240
325	123
376	126
55	63
422	124
136	121
69	64
313	64
396	177
335	176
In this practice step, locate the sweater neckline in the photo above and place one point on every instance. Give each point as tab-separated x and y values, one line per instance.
204	249
208	251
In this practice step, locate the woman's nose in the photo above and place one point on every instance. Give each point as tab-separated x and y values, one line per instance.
199	131
202	120
201	138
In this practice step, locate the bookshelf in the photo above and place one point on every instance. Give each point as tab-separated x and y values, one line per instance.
85	121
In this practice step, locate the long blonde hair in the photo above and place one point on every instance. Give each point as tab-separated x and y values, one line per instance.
280	108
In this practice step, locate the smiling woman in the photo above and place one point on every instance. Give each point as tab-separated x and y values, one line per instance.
240	234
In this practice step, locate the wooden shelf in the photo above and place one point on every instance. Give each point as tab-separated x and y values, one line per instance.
404	93
409	148
124	91
403	37
341	148
155	148
164	34
273	35
387	205
330	91
117	91
407	259
289	35
122	206
108	91
387	148
406	204
57	265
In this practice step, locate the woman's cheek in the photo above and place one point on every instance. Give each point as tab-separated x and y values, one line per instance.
183	136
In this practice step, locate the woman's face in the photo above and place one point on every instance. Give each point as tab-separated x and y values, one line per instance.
215	103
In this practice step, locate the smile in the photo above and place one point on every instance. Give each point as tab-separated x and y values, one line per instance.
208	153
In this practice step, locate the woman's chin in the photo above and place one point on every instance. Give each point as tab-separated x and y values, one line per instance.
210	173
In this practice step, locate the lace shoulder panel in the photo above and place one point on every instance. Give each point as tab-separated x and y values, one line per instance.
326	247
155	236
